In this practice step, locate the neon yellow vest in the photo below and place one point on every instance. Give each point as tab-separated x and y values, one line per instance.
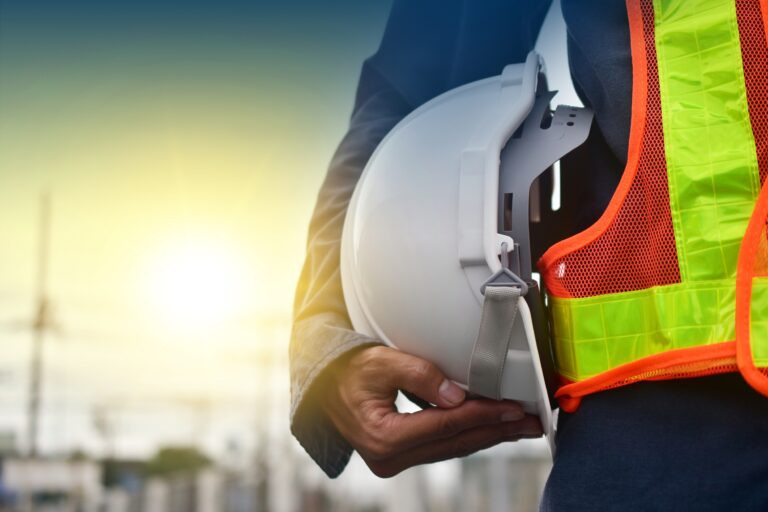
672	281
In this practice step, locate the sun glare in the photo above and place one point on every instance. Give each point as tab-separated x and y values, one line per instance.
198	286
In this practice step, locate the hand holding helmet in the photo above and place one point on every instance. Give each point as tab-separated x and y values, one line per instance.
361	404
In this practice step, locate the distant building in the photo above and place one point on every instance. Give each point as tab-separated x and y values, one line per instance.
52	484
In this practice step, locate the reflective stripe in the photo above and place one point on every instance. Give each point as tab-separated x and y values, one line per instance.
597	334
758	325
710	149
714	180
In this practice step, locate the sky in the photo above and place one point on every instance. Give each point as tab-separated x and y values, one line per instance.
181	144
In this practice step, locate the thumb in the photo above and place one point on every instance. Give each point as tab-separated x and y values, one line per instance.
425	380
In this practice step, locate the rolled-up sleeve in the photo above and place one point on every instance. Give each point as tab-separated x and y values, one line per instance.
429	46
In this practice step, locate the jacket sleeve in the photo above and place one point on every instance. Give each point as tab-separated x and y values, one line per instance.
429	46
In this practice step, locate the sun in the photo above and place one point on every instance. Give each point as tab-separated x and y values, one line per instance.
197	285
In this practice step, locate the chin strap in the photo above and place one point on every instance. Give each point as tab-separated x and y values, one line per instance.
502	291
493	339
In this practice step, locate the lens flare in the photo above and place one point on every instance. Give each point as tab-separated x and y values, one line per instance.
197	286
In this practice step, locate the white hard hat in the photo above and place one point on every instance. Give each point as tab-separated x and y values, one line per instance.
438	210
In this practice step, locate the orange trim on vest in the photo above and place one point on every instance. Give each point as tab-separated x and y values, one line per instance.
677	364
764	13
745	272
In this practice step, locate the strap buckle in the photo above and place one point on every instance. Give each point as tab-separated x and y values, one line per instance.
504	276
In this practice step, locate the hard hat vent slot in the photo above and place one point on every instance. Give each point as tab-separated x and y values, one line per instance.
546	119
507	211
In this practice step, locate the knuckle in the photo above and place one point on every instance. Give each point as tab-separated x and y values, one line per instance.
379	352
479	409
490	411
468	446
373	359
376	353
370	364
423	370
368	356
448	425
462	448
516	407
379	425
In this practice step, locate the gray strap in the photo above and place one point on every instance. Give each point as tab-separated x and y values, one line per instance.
493	339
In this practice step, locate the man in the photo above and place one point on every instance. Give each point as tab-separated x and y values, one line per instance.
692	444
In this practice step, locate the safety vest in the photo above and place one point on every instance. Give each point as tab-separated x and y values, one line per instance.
672	280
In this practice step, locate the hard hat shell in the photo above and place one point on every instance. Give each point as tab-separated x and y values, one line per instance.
421	234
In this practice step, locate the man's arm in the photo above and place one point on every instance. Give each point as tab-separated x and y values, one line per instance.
322	331
428	47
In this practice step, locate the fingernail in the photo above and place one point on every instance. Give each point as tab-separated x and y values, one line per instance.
450	392
531	433
515	415
515	432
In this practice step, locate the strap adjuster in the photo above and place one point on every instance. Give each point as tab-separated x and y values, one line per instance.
504	276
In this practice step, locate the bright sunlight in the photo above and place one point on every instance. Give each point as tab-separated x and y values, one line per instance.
198	286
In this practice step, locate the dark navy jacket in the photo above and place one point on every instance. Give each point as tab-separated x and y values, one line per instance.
693	444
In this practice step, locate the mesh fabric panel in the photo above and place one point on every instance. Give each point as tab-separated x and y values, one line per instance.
754	54
638	249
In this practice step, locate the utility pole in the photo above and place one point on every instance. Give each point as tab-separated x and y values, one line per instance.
41	323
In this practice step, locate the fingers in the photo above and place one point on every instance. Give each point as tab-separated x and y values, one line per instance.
360	403
370	422
409	430
421	378
460	445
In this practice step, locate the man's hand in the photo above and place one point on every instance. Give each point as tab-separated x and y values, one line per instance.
361	404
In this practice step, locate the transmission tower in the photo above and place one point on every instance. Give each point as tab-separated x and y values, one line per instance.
41	323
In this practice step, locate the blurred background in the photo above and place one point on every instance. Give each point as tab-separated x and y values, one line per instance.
159	162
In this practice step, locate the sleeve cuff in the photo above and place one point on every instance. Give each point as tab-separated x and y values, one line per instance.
310	424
